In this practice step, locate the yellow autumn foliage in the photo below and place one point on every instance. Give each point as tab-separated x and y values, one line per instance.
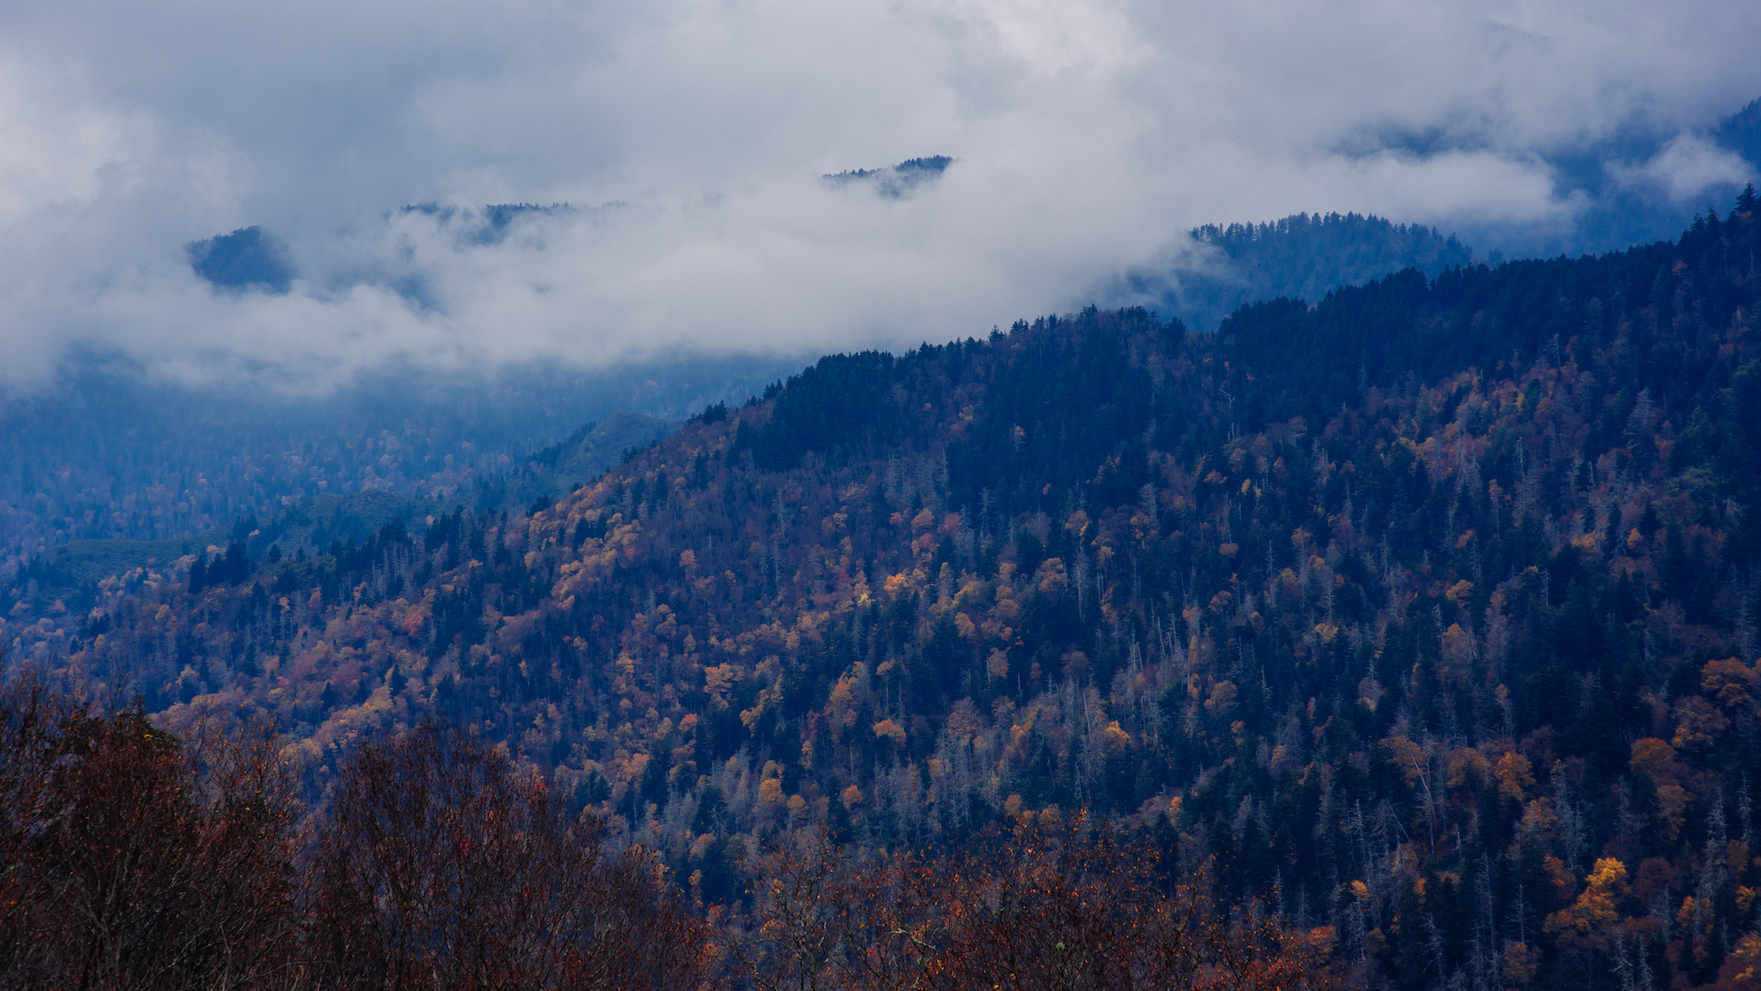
1594	913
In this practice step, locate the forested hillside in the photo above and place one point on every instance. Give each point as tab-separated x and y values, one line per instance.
107	453
1304	256
1427	611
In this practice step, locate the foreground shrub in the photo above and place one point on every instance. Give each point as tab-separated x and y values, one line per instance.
1048	904
442	866
131	859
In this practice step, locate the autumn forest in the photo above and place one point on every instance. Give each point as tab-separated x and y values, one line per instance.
1401	639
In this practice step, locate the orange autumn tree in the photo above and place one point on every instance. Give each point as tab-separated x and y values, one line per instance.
1592	919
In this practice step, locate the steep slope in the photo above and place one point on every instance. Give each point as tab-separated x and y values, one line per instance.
582	456
1426	611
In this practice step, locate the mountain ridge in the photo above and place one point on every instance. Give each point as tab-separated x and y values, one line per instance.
1422	613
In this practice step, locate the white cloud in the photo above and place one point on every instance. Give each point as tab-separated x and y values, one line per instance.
1088	135
1685	168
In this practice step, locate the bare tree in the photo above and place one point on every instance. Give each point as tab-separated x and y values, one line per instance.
133	860
1045	905
440	866
823	917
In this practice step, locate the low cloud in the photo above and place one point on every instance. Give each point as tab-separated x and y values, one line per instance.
692	137
1687	167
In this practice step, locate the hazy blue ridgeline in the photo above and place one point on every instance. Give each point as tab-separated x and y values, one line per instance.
310	525
106	454
252	259
1741	132
1301	257
898	182
1307	255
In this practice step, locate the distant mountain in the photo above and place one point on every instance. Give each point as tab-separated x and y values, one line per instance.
1620	204
1625	190
251	259
898	182
245	259
108	454
1741	133
310	526
585	455
307	527
490	225
1303	257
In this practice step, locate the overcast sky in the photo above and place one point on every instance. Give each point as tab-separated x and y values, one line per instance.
1087	137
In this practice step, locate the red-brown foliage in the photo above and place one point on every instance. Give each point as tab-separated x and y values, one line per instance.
1048	905
131	858
441	866
135	860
